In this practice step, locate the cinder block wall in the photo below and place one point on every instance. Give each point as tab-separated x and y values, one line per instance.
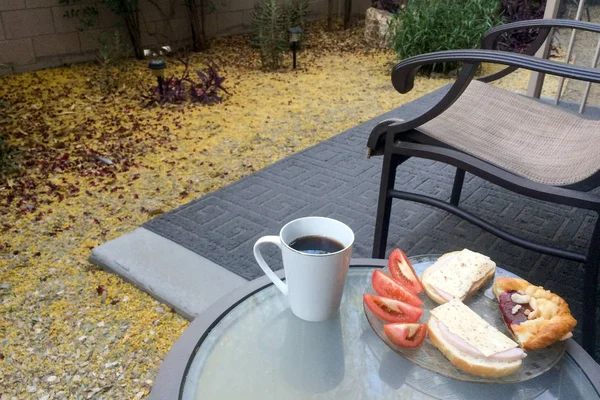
35	34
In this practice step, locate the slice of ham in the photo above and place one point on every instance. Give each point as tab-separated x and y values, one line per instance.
459	343
510	355
444	295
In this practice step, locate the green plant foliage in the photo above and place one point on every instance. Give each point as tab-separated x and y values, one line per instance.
296	12
112	49
425	26
270	33
270	28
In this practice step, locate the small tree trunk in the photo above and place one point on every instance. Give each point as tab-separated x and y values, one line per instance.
347	13
198	42
132	23
203	23
133	29
330	14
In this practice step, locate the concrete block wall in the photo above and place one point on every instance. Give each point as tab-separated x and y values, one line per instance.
35	34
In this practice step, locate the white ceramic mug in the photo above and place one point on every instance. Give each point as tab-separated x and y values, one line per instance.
314	282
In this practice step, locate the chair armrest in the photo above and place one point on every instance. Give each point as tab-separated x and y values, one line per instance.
404	73
545	25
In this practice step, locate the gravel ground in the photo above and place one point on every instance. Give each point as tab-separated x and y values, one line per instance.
69	330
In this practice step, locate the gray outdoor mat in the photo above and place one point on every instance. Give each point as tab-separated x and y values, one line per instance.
334	179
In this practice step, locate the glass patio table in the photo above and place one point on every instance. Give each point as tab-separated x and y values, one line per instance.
250	346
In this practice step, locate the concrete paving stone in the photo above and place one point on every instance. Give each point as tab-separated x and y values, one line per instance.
247	18
53	3
6	5
46	62
230	22
27	23
62	23
181	29
78	58
17	52
148	36
89	39
6	71
240	5
178	277
56	44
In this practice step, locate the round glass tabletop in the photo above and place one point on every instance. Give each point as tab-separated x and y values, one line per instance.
260	350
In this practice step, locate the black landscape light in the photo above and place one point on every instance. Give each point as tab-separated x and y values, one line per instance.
158	69
295	34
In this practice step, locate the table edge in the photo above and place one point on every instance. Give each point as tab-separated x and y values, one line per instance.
173	370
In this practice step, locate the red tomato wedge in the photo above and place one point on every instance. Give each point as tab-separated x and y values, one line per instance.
406	335
403	272
391	310
385	286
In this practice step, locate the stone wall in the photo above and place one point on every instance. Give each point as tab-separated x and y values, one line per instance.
35	34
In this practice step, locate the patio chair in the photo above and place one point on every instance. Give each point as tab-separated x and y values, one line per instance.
510	140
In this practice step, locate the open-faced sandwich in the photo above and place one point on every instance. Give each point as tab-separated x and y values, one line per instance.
470	343
457	275
536	317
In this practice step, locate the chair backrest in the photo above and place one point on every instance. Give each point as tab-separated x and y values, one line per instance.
589	57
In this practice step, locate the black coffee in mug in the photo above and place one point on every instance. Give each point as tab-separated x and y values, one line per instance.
316	245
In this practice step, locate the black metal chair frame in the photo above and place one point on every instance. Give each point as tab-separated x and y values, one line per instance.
398	141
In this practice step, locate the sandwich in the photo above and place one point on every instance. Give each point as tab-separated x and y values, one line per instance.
457	275
470	343
536	317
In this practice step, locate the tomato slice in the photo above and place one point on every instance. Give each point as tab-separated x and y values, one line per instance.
385	286
403	272
391	310
406	335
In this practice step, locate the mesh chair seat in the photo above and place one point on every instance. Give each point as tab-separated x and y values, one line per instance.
537	141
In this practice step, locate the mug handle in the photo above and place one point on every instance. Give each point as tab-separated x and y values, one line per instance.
261	261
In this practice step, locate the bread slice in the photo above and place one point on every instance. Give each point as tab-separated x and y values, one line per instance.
473	365
431	292
434	295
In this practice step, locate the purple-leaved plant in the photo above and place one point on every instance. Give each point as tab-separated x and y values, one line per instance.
520	10
184	88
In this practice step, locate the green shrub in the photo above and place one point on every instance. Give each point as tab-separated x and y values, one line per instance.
296	12
425	26
269	32
270	28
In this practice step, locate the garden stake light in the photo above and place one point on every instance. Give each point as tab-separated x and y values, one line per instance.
295	34
158	69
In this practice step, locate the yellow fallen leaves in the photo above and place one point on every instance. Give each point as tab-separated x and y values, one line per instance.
63	317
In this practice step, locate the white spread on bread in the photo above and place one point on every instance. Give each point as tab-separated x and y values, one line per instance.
470	327
456	274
